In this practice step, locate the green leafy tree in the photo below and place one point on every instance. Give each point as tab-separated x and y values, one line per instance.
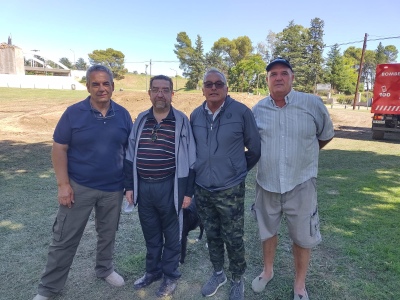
391	52
198	66
65	61
213	59
292	44
334	67
233	51
350	76
191	59
369	67
380	55
81	64
354	56
244	76
266	49
113	59
340	71
314	73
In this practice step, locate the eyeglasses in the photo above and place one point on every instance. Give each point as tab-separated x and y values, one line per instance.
154	136
98	115
155	90
218	84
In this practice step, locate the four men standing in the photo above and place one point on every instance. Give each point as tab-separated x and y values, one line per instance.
169	159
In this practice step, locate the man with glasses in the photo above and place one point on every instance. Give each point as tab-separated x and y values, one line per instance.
160	179
88	154
294	126
228	146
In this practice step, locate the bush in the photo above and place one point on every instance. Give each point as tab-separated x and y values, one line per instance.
344	99
260	92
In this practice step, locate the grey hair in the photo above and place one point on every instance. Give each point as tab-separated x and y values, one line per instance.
162	77
97	68
214	70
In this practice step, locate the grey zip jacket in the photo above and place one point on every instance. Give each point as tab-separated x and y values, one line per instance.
222	160
185	156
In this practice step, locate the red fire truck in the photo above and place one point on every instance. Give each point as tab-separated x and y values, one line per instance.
386	100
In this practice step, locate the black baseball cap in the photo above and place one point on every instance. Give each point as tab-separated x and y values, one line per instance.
279	60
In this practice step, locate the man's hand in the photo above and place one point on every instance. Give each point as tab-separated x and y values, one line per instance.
65	195
129	197
186	202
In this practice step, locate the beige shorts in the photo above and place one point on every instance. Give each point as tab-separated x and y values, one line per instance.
300	208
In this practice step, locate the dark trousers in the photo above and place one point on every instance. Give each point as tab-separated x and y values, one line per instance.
160	226
222	213
68	230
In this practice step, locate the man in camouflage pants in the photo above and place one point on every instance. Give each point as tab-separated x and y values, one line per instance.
223	128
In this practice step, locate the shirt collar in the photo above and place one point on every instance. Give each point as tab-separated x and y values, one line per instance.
288	98
209	111
87	106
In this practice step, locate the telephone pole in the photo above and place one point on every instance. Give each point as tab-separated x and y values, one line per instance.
360	70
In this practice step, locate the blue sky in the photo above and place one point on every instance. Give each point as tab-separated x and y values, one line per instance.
145	30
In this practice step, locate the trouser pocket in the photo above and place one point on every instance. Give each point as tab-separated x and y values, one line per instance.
314	223
58	226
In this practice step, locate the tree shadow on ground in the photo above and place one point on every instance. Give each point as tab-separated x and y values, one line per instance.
364	134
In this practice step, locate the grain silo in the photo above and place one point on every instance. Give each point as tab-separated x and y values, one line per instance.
11	59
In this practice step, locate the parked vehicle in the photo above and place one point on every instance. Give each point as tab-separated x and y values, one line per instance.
386	100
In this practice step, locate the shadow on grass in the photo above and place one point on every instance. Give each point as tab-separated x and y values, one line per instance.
364	134
25	172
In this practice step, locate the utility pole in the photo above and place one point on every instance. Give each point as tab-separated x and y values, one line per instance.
360	69
145	76
150	67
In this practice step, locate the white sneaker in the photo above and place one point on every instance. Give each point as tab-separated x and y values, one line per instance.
115	279
40	297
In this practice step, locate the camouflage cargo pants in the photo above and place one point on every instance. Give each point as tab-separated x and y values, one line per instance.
222	213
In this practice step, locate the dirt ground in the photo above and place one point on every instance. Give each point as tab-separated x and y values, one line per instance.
22	122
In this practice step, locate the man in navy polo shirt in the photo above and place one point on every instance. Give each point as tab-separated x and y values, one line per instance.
88	153
160	178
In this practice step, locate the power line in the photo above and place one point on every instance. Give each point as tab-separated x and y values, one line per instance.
360	41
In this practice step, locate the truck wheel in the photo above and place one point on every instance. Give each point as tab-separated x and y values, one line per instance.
377	135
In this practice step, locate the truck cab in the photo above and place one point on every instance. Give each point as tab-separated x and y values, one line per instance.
386	100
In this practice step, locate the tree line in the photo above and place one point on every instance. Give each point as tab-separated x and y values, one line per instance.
244	65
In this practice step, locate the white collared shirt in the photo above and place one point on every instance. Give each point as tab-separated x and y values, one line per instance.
215	114
289	140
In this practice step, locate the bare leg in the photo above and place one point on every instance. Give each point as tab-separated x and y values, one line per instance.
269	248
301	262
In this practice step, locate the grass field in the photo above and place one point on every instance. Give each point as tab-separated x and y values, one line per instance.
359	203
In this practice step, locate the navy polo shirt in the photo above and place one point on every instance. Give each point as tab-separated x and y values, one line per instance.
96	145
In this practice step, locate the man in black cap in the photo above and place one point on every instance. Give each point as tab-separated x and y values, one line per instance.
294	126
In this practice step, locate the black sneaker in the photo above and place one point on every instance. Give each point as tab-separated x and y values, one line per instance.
167	287
237	290
146	280
213	284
